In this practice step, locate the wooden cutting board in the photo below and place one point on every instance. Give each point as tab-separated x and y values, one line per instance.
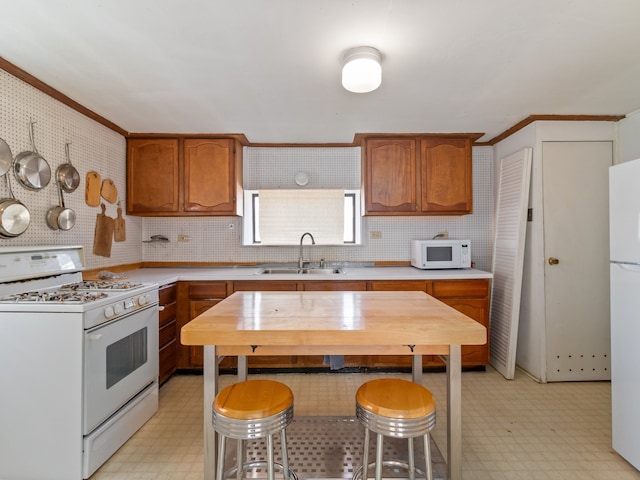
120	230
92	189
103	235
108	191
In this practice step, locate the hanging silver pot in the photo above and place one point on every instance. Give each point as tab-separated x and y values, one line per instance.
66	174
60	217
30	168
14	216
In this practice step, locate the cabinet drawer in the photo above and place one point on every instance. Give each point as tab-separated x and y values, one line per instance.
461	288
167	333
208	290
336	285
264	285
398	285
167	314
167	294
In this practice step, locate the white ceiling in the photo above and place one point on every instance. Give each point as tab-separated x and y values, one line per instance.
271	68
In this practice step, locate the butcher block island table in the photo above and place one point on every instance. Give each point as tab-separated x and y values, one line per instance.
325	323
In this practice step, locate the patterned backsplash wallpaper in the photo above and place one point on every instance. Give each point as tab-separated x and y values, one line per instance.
95	148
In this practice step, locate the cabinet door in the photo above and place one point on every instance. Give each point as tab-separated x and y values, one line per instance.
446	176
209	175
475	308
152	176
390	176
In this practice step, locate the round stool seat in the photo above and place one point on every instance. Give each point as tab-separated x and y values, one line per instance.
253	399
395	398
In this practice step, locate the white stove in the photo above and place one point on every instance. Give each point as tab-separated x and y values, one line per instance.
85	363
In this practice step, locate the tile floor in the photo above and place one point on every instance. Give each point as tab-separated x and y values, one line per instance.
511	429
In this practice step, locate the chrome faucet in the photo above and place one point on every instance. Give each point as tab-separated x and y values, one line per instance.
301	257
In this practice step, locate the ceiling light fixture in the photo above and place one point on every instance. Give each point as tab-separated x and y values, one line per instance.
362	72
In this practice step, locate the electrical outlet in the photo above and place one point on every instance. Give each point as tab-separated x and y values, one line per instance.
184	238
444	234
376	235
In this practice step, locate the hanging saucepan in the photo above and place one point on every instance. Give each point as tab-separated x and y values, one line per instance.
66	175
30	168
6	157
14	216
60	217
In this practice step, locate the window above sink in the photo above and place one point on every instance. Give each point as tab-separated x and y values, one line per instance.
293	212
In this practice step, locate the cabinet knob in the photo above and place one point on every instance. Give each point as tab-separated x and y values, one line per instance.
553	261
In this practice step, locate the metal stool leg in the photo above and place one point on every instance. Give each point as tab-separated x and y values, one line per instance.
270	466
240	459
379	457
285	456
222	440
365	455
427	457
412	463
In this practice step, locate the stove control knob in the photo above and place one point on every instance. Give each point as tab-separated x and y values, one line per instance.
108	312
118	308
143	299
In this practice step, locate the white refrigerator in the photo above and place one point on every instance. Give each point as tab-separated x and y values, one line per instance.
624	218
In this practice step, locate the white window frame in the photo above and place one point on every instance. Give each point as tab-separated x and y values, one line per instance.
250	220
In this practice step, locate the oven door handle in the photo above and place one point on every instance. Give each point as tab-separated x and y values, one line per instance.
95	336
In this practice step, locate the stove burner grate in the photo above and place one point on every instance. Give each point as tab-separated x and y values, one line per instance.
101	285
56	296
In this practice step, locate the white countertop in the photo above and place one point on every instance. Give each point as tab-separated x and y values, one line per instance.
163	276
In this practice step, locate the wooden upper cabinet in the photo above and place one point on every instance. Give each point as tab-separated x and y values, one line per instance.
428	175
446	175
152	176
390	170
184	177
209	175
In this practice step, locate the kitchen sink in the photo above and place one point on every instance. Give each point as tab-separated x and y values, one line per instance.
306	271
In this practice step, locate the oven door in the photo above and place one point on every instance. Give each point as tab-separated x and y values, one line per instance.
120	360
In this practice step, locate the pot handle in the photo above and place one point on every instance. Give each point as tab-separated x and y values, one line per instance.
8	182
60	197
31	136
66	152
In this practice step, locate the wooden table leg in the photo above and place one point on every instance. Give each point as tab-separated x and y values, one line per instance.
454	413
210	390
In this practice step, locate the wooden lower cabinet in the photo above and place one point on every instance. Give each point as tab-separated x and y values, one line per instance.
195	298
470	297
167	332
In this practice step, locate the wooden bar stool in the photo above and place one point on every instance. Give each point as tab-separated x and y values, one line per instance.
395	408
251	410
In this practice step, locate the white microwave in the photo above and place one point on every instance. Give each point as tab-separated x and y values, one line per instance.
444	253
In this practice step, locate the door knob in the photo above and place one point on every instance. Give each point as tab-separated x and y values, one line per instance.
553	261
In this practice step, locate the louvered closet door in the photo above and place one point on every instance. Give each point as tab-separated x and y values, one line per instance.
508	254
